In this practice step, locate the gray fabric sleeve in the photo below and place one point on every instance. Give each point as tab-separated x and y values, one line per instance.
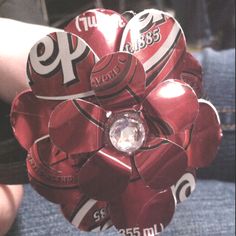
29	11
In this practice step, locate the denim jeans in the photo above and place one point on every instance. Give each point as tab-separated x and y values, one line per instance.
208	212
219	85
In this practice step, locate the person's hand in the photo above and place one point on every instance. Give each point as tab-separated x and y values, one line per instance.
10	199
16	40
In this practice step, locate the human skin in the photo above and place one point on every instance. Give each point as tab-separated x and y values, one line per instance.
16	40
11	196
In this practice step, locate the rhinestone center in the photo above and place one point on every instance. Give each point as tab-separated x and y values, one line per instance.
127	132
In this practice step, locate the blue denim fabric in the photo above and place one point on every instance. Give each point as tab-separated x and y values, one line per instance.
219	85
208	212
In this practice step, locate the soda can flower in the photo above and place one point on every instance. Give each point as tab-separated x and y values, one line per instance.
115	124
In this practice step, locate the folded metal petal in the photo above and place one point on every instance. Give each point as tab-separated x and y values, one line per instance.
182	138
161	163
29	117
100	28
206	136
118	80
141	210
59	66
128	14
87	214
158	41
77	126
135	176
184	187
52	173
174	103
192	74
106	175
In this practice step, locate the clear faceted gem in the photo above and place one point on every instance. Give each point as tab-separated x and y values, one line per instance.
127	133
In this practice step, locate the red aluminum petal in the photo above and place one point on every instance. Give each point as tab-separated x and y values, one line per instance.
118	80
182	138
161	163
183	188
173	102
105	175
206	136
87	214
135	176
55	195
77	126
192	74
59	66
52	173
141	210
101	28
29	117
157	40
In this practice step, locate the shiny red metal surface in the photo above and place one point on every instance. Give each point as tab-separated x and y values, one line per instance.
87	214
105	175
142	210
173	102
185	185
101	28
206	136
157	40
52	173
118	80
192	74
88	158
59	65
29	117
77	126
160	163
182	138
